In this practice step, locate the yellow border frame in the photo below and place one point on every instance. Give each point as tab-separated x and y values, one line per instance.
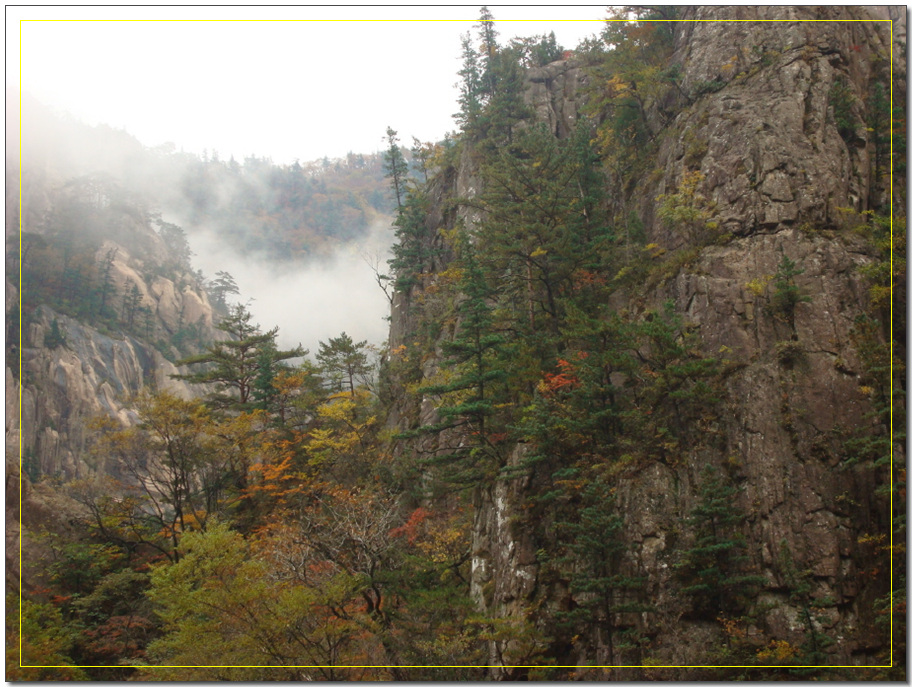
21	21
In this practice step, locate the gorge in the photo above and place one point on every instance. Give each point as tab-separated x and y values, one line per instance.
640	416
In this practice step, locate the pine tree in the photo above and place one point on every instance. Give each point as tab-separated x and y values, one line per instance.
487	34
601	589
395	167
132	300
55	338
344	363
106	281
233	366
474	387
786	294
410	251
470	88
221	287
714	569
506	106
544	222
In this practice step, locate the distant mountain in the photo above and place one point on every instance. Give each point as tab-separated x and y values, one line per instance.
281	212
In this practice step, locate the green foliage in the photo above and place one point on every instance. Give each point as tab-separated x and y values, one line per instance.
898	129
813	650
175	239
878	122
876	446
344	363
491	91
474	386
78	565
488	48
294	544
537	51
220	610
714	570
411	253
600	587
395	167
179	470
55	338
470	94
688	211
220	288
842	100
630	76
106	285
235	365
37	643
703	87
545	232
786	294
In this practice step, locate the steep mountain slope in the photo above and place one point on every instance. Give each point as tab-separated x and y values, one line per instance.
742	509
641	415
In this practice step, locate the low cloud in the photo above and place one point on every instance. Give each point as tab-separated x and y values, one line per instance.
309	301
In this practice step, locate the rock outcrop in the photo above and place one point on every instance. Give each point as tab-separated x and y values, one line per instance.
781	177
132	307
91	374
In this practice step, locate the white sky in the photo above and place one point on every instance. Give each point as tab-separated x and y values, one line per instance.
266	82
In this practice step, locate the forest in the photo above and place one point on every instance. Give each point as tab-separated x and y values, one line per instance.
544	474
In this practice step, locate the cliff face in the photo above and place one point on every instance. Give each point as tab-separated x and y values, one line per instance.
106	306
66	386
72	371
767	140
773	124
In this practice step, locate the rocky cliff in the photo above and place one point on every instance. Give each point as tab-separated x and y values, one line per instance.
771	132
106	307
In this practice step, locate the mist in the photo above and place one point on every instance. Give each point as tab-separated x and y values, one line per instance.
309	302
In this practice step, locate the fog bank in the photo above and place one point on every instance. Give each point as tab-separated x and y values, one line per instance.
308	302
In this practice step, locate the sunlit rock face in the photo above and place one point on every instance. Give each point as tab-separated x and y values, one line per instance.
66	386
758	128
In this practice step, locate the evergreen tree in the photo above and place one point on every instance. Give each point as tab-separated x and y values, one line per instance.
234	365
506	107
176	240
395	167
410	251
601	590
786	293
55	338
544	221
344	363
106	282
470	88
473	387
221	287
487	34
714	569
263	392
132	300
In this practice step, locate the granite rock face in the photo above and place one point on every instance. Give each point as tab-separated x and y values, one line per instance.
755	123
762	130
64	387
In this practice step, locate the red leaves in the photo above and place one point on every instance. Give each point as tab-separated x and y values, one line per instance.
121	636
564	380
411	528
586	279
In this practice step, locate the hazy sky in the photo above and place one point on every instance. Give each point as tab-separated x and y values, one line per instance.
262	81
